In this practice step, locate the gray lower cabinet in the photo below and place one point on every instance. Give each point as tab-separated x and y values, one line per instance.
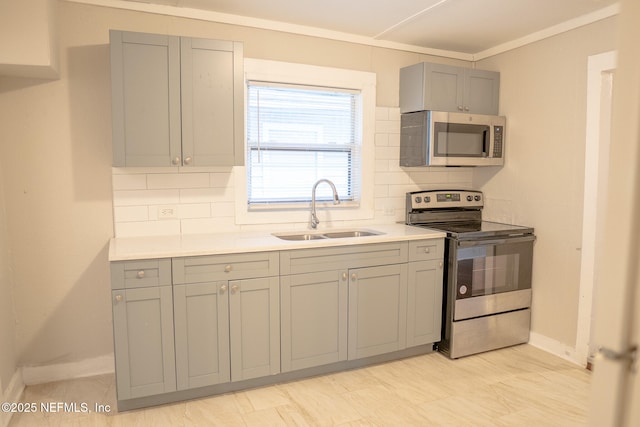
377	310
342	303
226	330
424	291
142	303
314	319
194	322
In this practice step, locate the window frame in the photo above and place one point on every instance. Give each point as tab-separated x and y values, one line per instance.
352	171
310	75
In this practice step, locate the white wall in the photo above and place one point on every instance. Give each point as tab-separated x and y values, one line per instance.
28	38
543	95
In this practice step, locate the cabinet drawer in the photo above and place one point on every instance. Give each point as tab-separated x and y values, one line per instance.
224	267
140	274
336	258
425	250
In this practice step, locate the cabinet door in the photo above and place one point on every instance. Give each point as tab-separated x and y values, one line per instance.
254	307
143	341
424	302
145	87
377	310
202	334
313	319
212	102
482	91
443	87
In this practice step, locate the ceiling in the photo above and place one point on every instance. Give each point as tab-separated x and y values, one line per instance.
469	27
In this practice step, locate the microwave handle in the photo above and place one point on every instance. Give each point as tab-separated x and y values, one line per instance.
492	242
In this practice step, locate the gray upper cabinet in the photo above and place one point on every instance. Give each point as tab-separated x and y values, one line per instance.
438	87
176	101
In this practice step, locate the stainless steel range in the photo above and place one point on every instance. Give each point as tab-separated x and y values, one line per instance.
487	278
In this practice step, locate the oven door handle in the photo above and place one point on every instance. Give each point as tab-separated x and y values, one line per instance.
501	241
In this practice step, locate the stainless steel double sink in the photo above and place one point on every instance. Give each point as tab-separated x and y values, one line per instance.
326	235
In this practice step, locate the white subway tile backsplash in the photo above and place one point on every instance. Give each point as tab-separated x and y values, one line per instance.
382	113
223	209
382	139
145	197
204	198
194	210
177	180
147	228
209	225
130	213
221	179
130	182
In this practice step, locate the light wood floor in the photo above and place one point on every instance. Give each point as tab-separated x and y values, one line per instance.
517	386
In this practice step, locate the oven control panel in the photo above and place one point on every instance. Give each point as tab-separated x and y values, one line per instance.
443	199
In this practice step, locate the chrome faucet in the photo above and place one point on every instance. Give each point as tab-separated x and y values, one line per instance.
336	200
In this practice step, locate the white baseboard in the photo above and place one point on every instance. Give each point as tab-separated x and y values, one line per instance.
65	371
12	394
554	347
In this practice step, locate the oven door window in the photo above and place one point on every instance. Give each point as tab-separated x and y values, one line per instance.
460	140
493	268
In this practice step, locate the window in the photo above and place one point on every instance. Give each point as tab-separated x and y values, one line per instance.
298	134
295	151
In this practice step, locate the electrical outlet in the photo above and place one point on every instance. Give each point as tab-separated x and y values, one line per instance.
167	212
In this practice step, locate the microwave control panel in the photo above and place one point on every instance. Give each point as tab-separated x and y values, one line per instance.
497	141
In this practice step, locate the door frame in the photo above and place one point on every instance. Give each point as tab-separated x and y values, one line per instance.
600	67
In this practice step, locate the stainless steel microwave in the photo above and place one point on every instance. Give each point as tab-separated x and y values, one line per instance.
440	138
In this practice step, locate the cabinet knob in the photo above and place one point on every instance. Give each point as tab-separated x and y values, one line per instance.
234	289
118	298
354	277
228	268
344	277
223	289
440	264
140	274
460	108
466	108
427	250
175	161
187	160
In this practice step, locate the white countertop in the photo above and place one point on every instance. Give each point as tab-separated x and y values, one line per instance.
132	248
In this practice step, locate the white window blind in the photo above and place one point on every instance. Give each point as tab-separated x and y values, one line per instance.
297	135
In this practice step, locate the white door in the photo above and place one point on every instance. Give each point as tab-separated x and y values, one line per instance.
615	396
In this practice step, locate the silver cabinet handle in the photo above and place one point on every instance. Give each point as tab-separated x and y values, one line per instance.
118	298
175	161
140	274
234	289
187	160
223	289
228	268
344	276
